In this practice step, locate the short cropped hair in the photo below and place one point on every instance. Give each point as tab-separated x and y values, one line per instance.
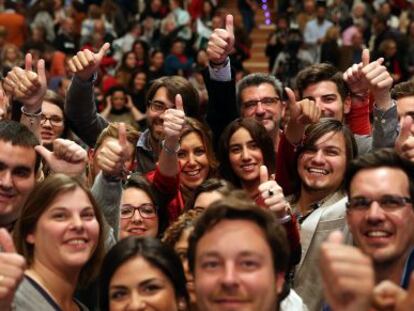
19	135
240	207
403	89
318	73
386	157
255	79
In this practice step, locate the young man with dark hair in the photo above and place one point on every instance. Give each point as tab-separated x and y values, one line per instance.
380	216
320	200
239	276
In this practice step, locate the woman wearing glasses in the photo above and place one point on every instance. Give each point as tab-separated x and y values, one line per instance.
140	213
52	120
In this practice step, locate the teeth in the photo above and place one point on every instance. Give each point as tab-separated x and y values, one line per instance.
192	173
76	242
248	166
136	230
377	234
317	171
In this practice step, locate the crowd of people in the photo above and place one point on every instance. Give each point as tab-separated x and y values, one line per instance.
139	170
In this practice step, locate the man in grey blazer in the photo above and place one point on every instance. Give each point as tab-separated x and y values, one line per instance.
320	200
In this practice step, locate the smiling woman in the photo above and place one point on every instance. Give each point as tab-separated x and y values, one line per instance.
60	234
142	273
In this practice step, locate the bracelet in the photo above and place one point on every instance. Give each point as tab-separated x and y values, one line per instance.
31	116
284	219
219	65
168	150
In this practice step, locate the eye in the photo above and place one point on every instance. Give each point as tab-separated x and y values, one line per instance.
199	152
235	149
249	264
22	172
125	210
181	154
118	294
210	264
329	99
332	152
148	209
151	288
88	215
59	216
253	145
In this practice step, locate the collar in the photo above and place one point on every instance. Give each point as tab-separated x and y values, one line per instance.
408	269
144	141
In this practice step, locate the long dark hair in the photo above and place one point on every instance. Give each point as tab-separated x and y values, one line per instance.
154	252
260	137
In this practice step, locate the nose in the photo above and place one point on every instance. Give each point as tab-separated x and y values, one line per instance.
77	222
136	302
245	154
229	279
136	217
259	109
6	180
375	213
191	159
318	157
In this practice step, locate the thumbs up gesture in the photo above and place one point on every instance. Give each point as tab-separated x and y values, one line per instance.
85	63
67	157
347	275
12	266
27	85
174	120
113	154
272	194
405	140
221	42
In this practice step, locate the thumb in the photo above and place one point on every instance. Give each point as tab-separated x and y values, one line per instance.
45	153
122	135
6	241
291	96
28	62
229	24
179	102
103	50
335	237
365	57
380	60
264	174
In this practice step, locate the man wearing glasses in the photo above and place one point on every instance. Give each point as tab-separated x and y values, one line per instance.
380	216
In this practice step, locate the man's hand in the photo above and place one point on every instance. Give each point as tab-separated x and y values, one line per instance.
272	193
404	144
302	113
347	275
389	296
26	85
221	42
4	105
12	266
67	157
370	76
85	63
114	153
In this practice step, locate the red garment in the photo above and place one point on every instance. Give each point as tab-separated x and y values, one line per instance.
285	164
292	233
170	187
16	27
358	118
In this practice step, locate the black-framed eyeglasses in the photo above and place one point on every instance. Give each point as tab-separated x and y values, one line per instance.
54	120
387	202
146	211
157	106
265	101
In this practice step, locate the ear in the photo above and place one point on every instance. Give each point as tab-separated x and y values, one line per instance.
91	153
347	105
30	238
280	281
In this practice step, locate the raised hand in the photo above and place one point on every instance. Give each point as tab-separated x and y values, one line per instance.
4	105
221	42
85	63
347	275
272	193
305	112
353	75
404	144
114	153
12	266
67	157
26	85
173	122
